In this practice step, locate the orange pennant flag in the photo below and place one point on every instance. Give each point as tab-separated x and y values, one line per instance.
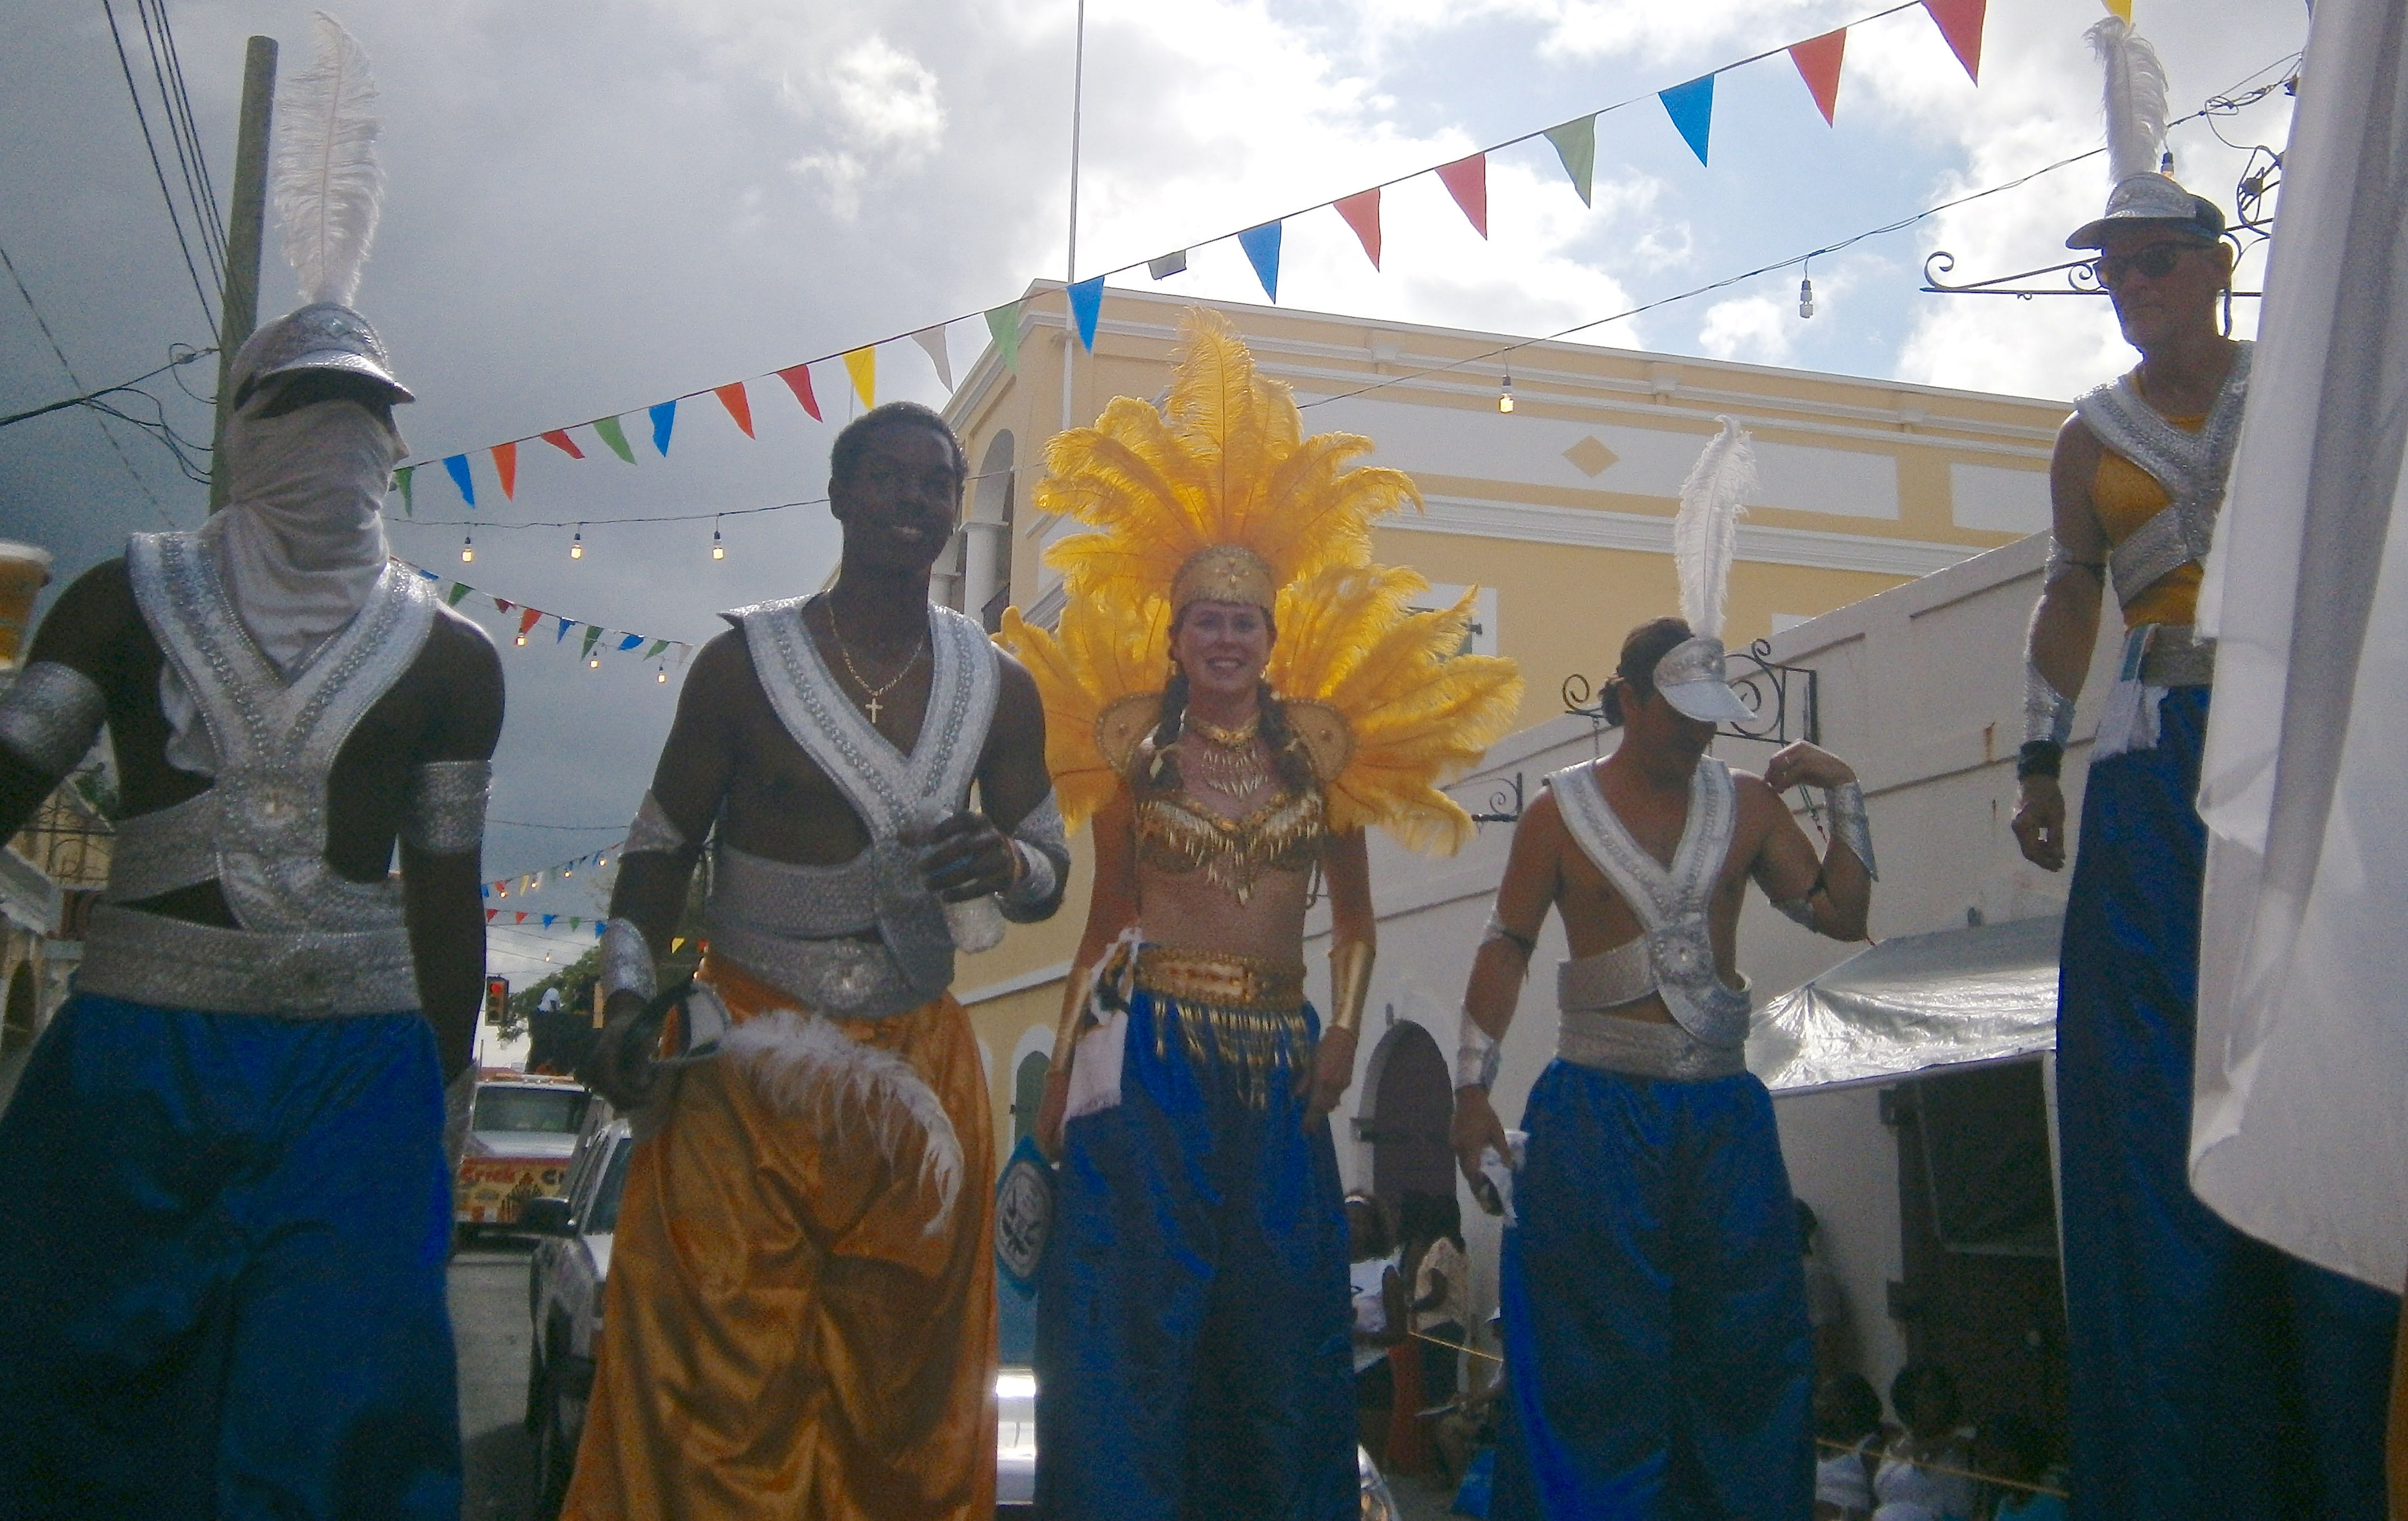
506	464
798	380
1467	180
1362	214
527	617
559	439
731	397
862	364
1960	23
1818	65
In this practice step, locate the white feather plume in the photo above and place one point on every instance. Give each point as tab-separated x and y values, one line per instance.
326	182
1705	532
2136	98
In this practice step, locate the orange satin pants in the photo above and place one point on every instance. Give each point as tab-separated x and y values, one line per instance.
783	1334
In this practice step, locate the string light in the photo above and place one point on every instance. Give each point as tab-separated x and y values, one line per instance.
718	549
662	676
1806	292
467	548
522	639
576	547
1505	397
593	664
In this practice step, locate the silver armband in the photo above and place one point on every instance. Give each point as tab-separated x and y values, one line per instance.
1476	1055
445	814
1801	910
1849	826
2047	716
627	961
2059	564
1043	848
1495	930
653	831
50	716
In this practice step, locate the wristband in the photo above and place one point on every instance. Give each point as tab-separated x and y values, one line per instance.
1477	1056
1849	826
2047	715
2040	757
627	961
50	715
1350	982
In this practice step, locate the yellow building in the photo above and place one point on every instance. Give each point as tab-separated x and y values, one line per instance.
1560	511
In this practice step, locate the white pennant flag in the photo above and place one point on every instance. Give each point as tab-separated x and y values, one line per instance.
933	340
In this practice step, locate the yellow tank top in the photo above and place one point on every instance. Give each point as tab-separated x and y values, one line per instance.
2125	496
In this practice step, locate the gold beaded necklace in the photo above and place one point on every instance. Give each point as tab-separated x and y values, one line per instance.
1229	761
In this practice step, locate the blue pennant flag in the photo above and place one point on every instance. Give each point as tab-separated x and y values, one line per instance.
664	419
631	642
562	632
1691	107
548	919
458	466
1262	246
1087	304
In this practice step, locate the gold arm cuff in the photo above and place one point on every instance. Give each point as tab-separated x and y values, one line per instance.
1350	982
1074	1006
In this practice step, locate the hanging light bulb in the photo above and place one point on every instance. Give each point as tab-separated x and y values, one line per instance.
1806	297
577	543
718	549
594	663
523	639
662	676
467	548
1505	397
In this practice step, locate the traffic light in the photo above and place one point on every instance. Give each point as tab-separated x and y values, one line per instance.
498	1001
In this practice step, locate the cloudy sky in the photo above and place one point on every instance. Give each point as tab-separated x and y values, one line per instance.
598	204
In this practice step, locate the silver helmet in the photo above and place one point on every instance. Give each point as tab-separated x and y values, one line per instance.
2153	198
320	336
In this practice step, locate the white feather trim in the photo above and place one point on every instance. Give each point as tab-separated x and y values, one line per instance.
2135	98
325	182
843	1090
1705	532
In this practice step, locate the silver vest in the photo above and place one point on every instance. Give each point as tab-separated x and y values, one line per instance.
801	927
1674	955
2192	467
312	941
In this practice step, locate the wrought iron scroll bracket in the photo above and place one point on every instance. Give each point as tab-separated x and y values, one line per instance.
1784	701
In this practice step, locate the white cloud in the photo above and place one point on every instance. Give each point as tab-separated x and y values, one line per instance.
1750	327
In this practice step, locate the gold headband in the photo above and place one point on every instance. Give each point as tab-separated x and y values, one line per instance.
1224	573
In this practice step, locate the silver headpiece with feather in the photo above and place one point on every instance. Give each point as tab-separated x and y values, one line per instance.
328	192
2136	137
1705	540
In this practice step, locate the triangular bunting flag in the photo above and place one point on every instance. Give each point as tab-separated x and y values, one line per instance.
1362	214
598	929
677	943
559	439
740	407
528	618
1691	107
458	466
1576	145
610	432
1262	246
798	380
500	605
401	479
658	645
1087	304
933	340
1168	264
562	632
1960	23
630	641
459	589
1467	180
506	464
862	364
491	915
520	918
548	919
664	419
592	633
577	922
1818	65
2120	9
1003	325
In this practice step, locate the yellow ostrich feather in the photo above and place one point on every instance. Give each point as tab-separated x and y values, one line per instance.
1105	649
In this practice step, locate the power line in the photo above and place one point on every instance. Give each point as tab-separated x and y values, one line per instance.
197	166
50	337
143	118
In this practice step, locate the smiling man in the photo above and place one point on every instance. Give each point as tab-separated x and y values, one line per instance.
801	1318
2209	1373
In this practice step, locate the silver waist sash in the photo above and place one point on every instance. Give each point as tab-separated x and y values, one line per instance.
1642	1048
2175	656
150	958
1606	979
843	979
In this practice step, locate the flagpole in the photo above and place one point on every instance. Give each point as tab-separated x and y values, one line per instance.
1070	270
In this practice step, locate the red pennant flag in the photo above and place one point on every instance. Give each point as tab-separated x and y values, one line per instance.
500	606
559	439
490	915
798	380
1467	180
528	617
1960	23
1818	65
1362	214
731	397
521	917
506	464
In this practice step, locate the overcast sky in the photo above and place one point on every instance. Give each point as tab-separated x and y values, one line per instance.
598	204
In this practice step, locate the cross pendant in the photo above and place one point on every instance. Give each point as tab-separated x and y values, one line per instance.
874	706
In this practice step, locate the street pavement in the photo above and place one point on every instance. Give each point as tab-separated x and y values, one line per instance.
490	1332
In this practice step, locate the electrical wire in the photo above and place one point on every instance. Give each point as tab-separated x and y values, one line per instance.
50	337
198	165
208	311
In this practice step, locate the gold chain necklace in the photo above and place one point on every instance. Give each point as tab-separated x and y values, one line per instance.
1229	760
873	693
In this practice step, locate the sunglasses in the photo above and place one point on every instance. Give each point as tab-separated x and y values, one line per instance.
2157	261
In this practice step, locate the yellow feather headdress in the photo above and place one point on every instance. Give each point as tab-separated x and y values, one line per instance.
1226	466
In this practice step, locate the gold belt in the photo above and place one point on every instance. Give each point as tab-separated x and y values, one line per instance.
1220	979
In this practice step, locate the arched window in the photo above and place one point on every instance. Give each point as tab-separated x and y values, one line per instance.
986	538
1413	1109
1027	1092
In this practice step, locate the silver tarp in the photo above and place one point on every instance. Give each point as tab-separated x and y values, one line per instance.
1914	1002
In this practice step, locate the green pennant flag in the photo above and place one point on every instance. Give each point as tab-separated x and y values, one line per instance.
615	436
658	645
459	589
1576	145
401	479
576	923
1003	322
592	633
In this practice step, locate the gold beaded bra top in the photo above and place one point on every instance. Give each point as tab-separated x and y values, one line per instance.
1177	832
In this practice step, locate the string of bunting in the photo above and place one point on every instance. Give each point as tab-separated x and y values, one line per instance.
1688	107
621	642
527	884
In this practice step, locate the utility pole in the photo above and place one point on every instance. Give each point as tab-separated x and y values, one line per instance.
239	309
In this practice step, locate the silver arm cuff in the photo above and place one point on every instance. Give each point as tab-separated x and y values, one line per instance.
2047	716
2059	565
444	814
1849	826
1476	1055
1044	851
50	716
653	830
627	961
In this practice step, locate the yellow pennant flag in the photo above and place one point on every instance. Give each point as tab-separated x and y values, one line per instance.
677	943
2121	9
862	364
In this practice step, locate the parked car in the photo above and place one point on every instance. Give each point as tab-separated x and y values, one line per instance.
523	1130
